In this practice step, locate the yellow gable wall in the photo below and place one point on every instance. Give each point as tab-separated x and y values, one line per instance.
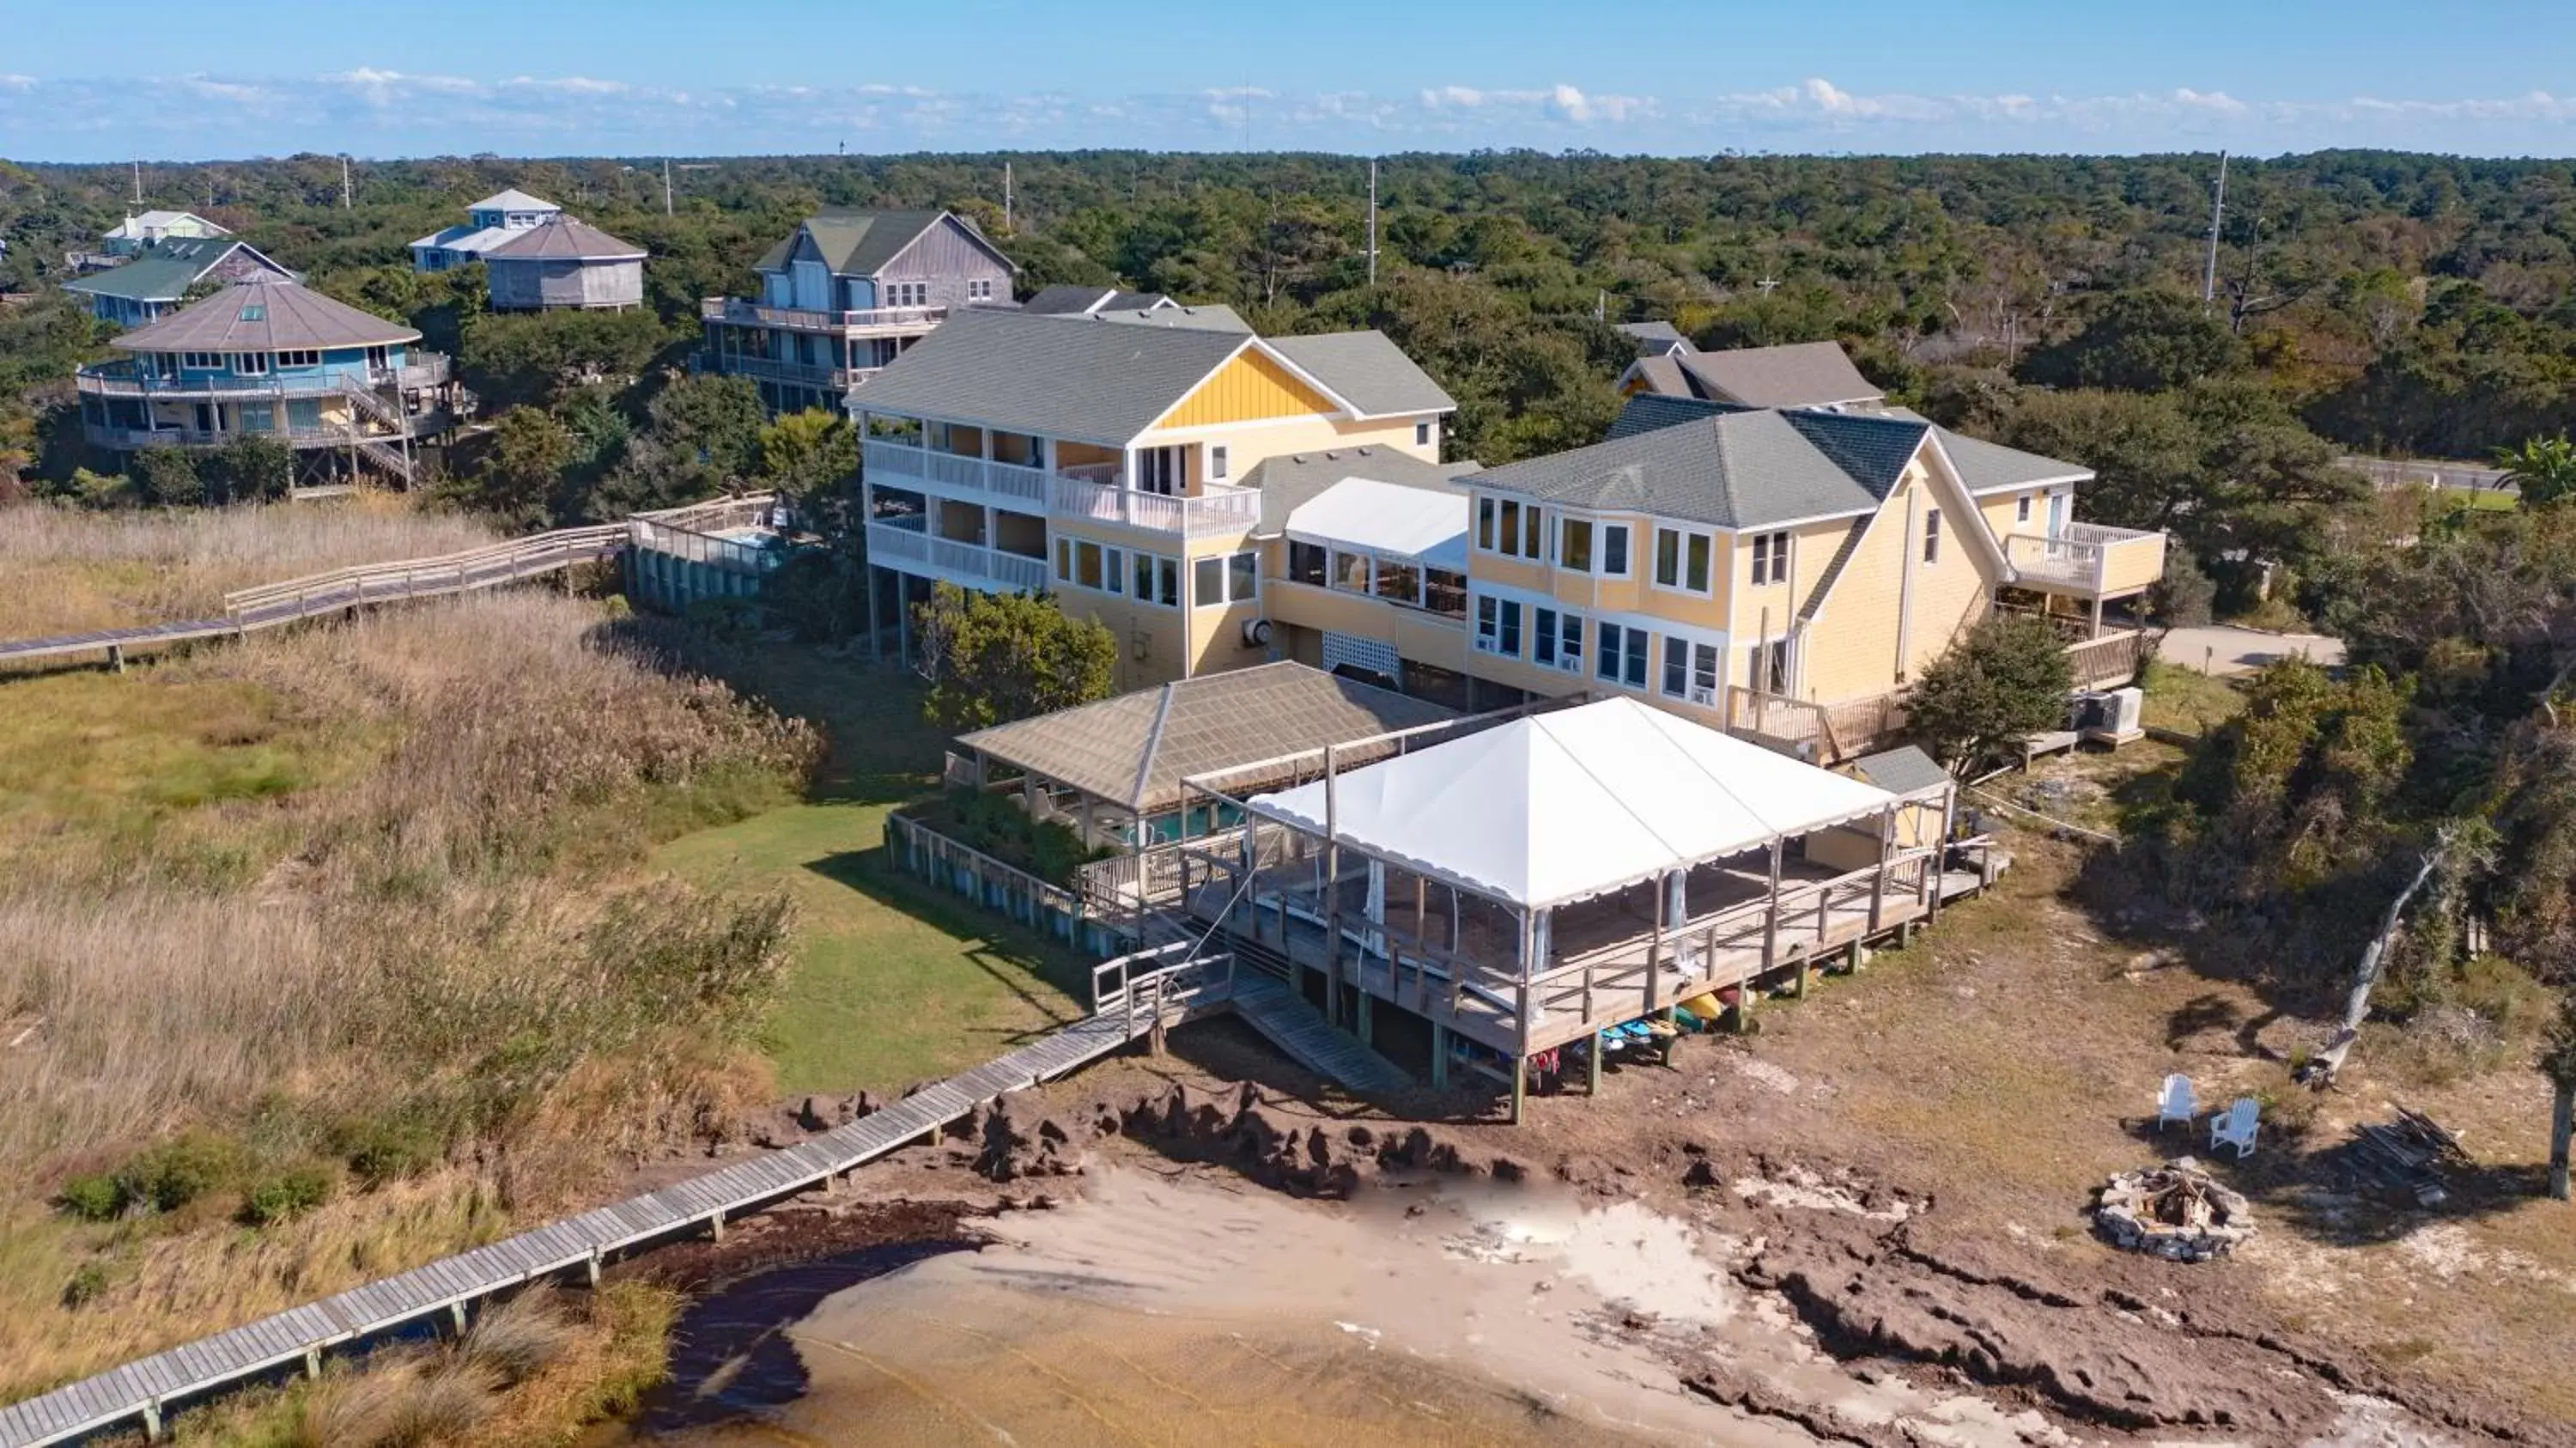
1868	639
1250	387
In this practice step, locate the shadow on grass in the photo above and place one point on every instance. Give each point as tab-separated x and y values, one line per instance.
1010	954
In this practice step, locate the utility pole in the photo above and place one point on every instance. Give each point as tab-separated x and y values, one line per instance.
2217	211
1006	198
138	183
1372	221
344	181
666	186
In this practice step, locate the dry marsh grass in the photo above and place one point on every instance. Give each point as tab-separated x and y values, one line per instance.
63	570
359	905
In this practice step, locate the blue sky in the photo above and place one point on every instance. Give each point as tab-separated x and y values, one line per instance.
651	77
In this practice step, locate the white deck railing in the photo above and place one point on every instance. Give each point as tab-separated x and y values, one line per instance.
895	544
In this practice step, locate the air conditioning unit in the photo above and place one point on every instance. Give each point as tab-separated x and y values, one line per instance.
1705	698
2084	709
1485	645
2117	716
1256	633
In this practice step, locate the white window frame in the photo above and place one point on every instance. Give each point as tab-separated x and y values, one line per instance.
1529	527
1771	557
298	357
1634	642
979	289
1422	434
1218	464
1591	542
2021	507
202	361
1492	631
1627	550
1931	537
250	364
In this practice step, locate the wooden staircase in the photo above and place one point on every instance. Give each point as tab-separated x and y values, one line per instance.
394	460
1287	1021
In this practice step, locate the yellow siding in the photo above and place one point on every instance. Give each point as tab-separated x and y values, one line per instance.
1422	637
1216	637
1536	679
1869	640
2134	564
1250	387
1251	440
1151	643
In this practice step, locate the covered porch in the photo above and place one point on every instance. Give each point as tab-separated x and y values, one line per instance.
1566	873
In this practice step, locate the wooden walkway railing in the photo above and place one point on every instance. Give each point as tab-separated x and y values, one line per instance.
274	605
1134	997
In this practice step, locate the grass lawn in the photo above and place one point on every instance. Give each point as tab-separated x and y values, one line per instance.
892	981
2484	500
2188	700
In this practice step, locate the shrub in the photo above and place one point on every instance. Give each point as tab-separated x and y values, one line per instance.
381	1149
177	1172
288	1194
86	1285
92	1198
995	825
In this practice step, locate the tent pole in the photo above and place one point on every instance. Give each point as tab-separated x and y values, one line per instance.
1332	896
1771	915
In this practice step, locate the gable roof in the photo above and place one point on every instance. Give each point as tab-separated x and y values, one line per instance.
1071	298
1136	749
1987	467
465	237
1426	525
1098	382
265	316
861	243
1565	805
1902	770
1799	374
1731	468
1366	370
1656	339
137	226
513	199
164	270
564	238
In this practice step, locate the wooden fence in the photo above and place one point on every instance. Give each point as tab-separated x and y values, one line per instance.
1047	908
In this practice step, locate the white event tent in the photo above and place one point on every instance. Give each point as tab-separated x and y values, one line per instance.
1558	807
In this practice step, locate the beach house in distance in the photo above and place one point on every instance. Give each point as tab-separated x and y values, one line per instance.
845	295
344	388
152	279
488	223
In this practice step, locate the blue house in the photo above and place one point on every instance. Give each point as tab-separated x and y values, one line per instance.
269	357
162	273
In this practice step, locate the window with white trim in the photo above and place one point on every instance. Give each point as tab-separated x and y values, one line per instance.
1498	625
1614	550
299	358
1931	536
1770	558
1216	461
1574	544
1307	563
1681	559
1623	655
1690	670
1086	563
1508	527
1225	578
250	364
979	289
202	361
2021	508
1556	639
1422	434
1064	560
1113	570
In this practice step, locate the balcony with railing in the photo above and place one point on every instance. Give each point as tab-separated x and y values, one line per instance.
900	465
908	546
1093	494
794	374
2090	560
866	322
421	372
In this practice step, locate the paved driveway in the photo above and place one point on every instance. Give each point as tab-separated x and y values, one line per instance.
2226	649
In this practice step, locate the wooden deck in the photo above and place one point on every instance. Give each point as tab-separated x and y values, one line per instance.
276	605
147	1389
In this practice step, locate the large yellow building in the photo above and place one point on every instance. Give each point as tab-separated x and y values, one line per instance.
1103	458
1220	500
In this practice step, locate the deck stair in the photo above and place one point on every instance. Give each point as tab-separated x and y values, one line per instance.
1289	1022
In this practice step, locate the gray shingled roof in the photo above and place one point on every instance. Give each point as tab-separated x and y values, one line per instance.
164	270
1988	467
1656	339
565	238
1801	374
1902	770
1064	298
1368	370
1095	382
1207	317
1729	469
513	199
1293	478
1647	411
858	243
1136	749
265	316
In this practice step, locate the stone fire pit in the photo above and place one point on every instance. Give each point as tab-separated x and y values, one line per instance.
2175	1211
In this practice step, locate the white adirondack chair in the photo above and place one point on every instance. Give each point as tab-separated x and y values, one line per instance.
2178	1103
2236	1126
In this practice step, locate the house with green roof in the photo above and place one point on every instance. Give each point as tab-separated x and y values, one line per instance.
844	295
161	274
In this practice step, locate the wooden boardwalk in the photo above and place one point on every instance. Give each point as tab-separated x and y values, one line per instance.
275	605
147	1390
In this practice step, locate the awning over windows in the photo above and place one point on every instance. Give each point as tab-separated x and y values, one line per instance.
1562	806
1360	515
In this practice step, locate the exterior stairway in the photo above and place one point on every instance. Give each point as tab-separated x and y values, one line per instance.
393	459
1296	1027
